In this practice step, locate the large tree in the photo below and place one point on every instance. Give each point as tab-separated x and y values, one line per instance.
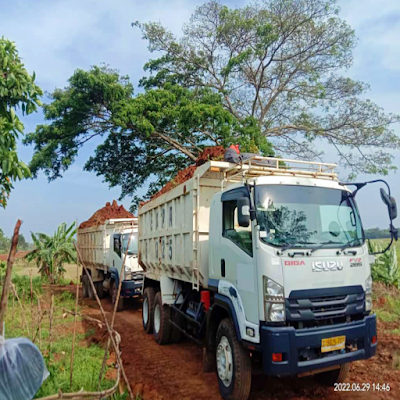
281	62
17	90
268	76
151	135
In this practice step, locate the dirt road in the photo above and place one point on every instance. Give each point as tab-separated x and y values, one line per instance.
175	371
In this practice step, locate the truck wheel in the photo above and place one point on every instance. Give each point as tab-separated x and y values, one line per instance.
329	378
161	327
85	286
99	289
176	334
148	309
233	364
114	295
90	290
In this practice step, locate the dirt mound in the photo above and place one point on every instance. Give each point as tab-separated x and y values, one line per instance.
215	153
109	211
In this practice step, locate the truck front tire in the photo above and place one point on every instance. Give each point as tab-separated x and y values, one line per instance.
148	309
85	286
161	326
329	378
233	364
99	289
114	295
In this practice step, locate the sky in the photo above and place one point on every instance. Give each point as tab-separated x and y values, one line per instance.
55	37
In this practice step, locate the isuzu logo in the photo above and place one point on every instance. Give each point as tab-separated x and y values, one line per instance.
322	266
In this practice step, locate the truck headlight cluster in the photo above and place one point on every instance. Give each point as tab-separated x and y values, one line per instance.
368	294
274	301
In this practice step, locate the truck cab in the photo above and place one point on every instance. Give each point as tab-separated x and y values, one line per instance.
297	271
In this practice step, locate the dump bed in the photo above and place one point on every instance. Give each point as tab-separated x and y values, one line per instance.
94	242
174	227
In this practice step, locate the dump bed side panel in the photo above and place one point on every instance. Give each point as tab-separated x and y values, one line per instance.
174	230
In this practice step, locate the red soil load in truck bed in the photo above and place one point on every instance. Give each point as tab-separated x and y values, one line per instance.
209	153
110	211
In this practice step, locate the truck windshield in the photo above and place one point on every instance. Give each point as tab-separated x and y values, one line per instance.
307	216
133	245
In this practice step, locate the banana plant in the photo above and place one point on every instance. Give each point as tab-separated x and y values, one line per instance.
52	252
385	268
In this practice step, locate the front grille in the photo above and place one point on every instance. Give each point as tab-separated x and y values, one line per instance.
314	307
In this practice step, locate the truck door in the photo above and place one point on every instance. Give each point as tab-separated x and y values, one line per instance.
116	254
236	254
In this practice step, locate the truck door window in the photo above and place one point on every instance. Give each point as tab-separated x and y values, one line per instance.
117	245
231	230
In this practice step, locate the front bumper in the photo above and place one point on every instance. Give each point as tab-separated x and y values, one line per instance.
131	288
294	343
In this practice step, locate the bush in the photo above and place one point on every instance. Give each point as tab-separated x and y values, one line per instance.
22	283
385	269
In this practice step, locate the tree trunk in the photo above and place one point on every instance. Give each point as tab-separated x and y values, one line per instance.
7	279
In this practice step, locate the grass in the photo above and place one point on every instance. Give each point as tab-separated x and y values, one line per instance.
22	267
87	357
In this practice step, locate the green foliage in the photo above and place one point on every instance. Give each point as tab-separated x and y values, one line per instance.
376	233
17	89
385	268
5	243
156	133
52	252
280	62
22	283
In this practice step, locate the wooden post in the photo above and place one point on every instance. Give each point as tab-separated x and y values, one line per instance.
32	319
109	330
51	321
75	317
25	323
39	321
7	279
114	312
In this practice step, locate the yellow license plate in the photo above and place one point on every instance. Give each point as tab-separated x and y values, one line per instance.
334	343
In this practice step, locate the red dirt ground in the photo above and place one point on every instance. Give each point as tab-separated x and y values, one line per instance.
109	211
175	371
209	153
20	254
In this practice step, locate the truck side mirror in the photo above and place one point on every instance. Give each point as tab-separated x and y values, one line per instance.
243	206
391	204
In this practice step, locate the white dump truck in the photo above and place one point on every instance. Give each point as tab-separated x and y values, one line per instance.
264	264
102	248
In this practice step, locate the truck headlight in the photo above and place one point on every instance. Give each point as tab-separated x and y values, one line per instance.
274	301
368	294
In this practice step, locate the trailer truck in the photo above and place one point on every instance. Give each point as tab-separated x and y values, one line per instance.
264	264
102	248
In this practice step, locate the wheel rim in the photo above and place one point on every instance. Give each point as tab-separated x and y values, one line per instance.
157	318
225	361
145	311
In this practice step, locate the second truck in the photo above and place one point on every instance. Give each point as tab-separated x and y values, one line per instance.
102	247
264	264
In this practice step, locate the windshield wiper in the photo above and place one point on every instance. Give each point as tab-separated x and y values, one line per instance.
288	246
320	246
349	244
